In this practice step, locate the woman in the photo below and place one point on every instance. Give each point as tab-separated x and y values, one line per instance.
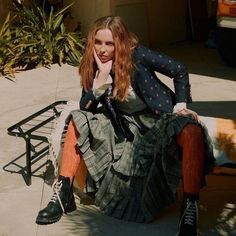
136	137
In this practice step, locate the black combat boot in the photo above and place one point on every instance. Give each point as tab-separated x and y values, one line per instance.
62	201
189	216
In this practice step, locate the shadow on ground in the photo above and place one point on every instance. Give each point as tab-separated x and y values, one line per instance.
221	109
201	60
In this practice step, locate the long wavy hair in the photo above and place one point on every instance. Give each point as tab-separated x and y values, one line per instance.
124	42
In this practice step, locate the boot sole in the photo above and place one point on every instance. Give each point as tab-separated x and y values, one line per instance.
46	221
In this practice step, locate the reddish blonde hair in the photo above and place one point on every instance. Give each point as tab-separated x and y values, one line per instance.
124	42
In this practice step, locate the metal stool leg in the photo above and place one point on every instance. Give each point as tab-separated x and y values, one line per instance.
28	161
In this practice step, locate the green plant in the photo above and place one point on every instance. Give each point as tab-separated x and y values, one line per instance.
42	40
37	39
7	54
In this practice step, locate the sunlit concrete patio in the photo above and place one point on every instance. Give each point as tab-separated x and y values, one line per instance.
214	93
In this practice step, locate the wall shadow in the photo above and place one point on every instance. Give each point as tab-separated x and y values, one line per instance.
222	109
200	59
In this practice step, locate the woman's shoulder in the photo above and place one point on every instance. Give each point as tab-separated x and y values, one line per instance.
139	51
142	51
141	48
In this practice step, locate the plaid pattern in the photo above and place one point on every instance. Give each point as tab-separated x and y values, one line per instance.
133	180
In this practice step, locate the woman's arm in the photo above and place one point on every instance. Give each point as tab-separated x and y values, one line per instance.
170	67
173	69
101	82
88	101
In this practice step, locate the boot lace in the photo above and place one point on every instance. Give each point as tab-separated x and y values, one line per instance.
190	214
56	190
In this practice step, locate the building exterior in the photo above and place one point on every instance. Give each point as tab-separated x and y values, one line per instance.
157	23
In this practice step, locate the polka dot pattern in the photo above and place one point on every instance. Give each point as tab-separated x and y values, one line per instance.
156	96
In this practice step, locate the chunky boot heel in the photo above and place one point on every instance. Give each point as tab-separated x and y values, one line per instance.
62	201
71	206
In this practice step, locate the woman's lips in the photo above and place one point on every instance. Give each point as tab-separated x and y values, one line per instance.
103	58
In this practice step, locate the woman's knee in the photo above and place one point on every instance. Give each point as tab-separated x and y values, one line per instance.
72	128
193	130
190	132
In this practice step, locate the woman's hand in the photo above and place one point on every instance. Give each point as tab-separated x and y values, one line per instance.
104	68
186	111
102	79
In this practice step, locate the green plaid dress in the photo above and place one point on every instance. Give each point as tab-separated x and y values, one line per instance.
133	180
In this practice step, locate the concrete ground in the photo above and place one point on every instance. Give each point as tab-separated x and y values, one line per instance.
214	93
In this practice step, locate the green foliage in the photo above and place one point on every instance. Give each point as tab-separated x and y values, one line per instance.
7	54
35	39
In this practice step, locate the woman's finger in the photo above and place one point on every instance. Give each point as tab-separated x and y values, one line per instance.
105	67
185	112
96	56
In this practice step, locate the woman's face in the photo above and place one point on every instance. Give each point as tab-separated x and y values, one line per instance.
104	45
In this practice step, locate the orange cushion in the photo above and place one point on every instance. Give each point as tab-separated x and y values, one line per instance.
223	135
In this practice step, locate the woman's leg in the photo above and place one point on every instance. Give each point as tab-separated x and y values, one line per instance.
191	141
71	161
63	200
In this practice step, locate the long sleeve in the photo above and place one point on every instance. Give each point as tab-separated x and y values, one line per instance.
88	101
170	67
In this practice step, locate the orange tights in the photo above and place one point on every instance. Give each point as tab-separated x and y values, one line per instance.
71	162
190	139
